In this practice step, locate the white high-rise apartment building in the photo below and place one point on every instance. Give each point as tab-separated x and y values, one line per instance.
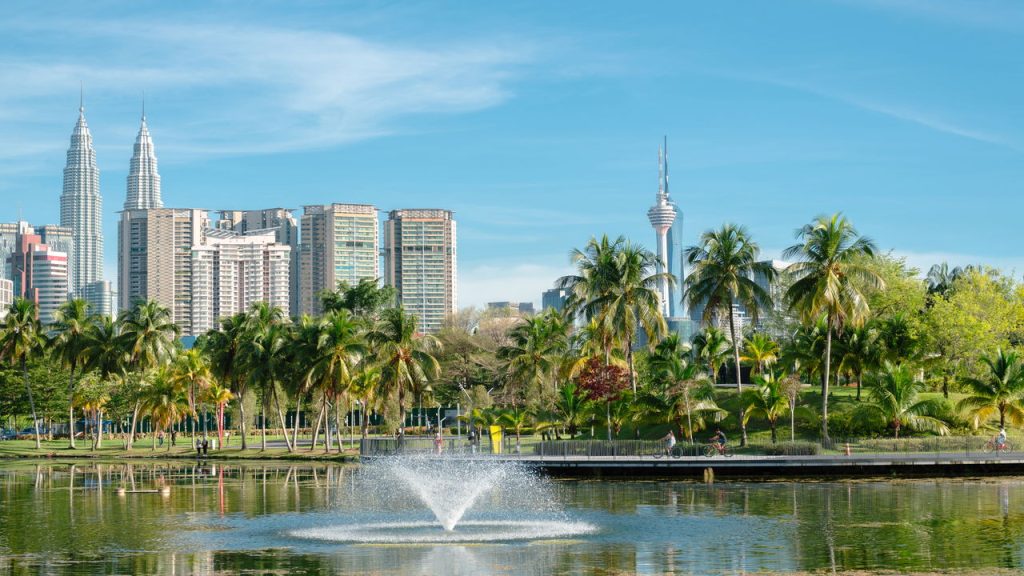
340	243
420	262
6	296
155	259
143	177
81	210
286	231
232	271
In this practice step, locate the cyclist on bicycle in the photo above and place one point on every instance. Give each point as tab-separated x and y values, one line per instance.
1001	439
719	440
670	442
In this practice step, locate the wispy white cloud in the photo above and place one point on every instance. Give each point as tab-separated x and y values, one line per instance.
903	112
264	89
991	14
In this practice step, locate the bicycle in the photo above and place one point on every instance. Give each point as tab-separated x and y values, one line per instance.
713	449
992	446
676	452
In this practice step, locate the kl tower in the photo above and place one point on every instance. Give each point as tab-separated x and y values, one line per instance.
662	216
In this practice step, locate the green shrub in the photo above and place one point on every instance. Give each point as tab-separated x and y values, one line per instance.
793	449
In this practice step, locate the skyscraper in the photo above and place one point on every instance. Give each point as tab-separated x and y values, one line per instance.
340	242
143	177
286	231
155	259
419	261
233	271
81	210
662	217
554	298
39	273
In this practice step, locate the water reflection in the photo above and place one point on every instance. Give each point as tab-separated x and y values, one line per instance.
95	517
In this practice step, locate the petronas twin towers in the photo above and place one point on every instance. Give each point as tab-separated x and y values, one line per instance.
81	207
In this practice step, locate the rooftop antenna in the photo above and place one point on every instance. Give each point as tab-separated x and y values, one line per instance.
81	97
143	105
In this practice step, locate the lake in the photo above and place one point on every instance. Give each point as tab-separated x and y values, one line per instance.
236	518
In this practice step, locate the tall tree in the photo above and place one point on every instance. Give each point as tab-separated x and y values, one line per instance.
341	346
760	351
148	336
23	339
826	282
724	269
999	392
70	333
225	348
406	358
266	354
534	356
192	372
711	348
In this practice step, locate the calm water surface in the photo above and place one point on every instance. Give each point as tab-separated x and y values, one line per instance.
62	518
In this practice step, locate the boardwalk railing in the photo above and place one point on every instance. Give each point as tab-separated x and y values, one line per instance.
593	448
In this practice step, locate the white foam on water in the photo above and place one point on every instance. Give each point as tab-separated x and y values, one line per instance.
429	533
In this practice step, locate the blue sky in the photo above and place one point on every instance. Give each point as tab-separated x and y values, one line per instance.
539	122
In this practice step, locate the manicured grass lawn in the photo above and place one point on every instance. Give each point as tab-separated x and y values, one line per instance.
114	448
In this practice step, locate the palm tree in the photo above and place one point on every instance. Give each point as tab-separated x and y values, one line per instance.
266	355
711	348
192	372
517	418
768	400
165	401
365	387
71	328
405	357
219	396
340	346
723	268
148	334
225	349
634	301
596	274
21	340
1001	391
858	352
538	346
827	280
760	351
894	396
104	353
681	390
571	408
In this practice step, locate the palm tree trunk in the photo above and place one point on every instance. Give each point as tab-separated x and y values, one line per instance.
775	438
135	417
263	423
860	377
295	430
31	401
629	362
792	421
337	424
608	417
316	428
99	430
280	418
220	425
739	373
824	383
71	408
241	419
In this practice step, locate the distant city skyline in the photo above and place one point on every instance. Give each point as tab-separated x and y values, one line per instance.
537	124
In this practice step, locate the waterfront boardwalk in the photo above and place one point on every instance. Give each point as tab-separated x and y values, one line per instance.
751	466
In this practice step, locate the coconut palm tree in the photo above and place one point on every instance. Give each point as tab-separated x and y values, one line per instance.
340	346
147	335
572	409
711	348
165	400
596	274
192	372
21	340
536	351
681	390
724	265
760	351
859	351
767	400
827	279
267	356
1000	391
634	302
70	336
405	357
894	395
219	396
365	387
225	349
516	419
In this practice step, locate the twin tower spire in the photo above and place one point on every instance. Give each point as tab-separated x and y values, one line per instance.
143	177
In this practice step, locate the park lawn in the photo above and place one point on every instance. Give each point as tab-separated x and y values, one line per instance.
114	449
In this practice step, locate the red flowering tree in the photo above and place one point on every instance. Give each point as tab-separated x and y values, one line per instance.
603	382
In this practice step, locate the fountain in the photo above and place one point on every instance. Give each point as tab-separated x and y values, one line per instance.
509	502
